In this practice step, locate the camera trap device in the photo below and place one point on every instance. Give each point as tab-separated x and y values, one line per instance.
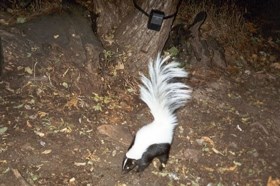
156	17
155	20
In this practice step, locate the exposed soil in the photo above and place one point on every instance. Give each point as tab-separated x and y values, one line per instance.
63	123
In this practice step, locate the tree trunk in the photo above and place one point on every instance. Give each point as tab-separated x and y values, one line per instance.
121	25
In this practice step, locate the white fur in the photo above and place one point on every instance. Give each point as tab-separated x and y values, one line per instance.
163	97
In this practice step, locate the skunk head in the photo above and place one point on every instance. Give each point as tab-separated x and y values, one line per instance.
128	164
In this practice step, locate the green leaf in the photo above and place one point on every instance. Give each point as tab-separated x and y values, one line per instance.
21	19
173	51
3	130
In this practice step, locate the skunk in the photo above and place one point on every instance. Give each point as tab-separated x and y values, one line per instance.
163	96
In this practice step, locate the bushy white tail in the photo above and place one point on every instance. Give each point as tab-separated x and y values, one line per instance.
162	95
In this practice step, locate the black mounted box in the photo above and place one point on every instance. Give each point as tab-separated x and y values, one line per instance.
155	20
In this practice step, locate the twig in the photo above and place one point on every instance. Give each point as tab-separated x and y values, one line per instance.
261	127
20	178
34	68
49	77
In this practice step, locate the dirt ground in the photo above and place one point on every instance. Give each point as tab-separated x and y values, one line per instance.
63	126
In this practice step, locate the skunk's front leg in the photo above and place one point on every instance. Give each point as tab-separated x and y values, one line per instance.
163	160
160	151
145	161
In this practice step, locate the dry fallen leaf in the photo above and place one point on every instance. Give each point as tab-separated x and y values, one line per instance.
66	130
273	182
92	156
41	134
3	161
28	124
72	180
227	169
28	70
47	151
120	66
42	114
73	102
208	140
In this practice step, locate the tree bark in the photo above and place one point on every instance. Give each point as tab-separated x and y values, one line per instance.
128	28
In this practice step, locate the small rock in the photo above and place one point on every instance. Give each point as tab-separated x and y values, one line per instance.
192	154
116	133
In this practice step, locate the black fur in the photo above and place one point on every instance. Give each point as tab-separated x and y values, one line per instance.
160	151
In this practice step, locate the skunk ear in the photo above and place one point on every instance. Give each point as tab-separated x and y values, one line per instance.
128	164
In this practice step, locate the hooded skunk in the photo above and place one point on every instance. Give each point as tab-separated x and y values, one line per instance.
163	96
